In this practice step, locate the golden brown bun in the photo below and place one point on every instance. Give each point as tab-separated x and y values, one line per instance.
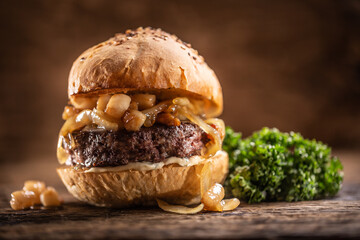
172	183
148	60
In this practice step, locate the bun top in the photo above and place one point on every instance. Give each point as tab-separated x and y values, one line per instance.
146	60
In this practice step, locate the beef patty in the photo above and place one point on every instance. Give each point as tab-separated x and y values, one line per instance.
101	148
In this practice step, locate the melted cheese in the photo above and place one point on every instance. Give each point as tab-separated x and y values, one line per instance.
146	166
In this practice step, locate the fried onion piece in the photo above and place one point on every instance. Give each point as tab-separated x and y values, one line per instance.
178	208
213	197
230	204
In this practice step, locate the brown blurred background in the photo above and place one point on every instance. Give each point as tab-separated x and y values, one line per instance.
294	65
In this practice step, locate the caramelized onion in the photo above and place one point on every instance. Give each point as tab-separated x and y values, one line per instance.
110	110
185	102
22	199
168	119
144	101
102	102
83	102
181	101
36	187
218	124
133	106
230	204
151	113
61	153
84	118
178	208
133	120
100	120
205	178
50	198
212	198
215	143
117	105
69	111
75	122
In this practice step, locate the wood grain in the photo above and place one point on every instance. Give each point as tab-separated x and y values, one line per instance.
329	218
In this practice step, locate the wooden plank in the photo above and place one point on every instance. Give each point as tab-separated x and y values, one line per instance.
325	218
329	218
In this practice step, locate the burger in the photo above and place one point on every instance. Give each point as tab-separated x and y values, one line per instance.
140	123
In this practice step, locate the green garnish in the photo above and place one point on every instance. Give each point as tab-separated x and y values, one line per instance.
275	166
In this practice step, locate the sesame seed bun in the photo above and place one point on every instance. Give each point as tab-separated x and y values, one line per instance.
146	60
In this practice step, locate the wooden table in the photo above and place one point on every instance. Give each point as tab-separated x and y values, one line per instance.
330	218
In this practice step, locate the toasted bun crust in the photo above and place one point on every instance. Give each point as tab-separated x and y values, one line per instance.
148	60
172	183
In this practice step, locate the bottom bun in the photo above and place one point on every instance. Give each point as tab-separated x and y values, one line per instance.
172	183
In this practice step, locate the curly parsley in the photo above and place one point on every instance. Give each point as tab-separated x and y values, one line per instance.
275	166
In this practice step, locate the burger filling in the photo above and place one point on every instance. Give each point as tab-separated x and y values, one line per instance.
99	148
116	130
